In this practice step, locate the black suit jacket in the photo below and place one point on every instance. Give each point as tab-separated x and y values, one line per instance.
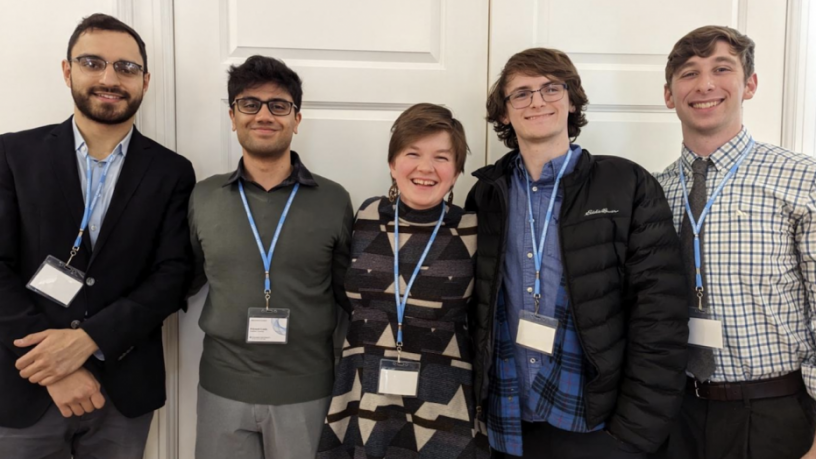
136	275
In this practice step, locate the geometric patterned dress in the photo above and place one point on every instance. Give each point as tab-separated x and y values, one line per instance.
439	422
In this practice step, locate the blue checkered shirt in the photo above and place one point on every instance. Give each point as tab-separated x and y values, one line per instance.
760	258
557	392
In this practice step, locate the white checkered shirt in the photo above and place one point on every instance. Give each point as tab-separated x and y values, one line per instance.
759	243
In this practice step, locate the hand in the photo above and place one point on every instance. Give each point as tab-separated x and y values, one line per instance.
58	354
77	394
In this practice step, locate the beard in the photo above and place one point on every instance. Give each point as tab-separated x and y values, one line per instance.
272	149
105	113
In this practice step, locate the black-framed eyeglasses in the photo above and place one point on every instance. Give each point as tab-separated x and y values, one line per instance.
95	66
251	106
550	92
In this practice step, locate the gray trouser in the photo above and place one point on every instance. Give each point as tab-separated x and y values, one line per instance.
238	430
102	434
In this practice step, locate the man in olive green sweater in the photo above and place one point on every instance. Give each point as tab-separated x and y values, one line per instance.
273	241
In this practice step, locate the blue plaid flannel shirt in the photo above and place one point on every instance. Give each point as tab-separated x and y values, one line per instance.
557	394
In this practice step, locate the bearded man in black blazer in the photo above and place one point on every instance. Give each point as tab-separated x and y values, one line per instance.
81	360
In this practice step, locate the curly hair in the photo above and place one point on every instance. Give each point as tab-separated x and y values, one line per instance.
551	63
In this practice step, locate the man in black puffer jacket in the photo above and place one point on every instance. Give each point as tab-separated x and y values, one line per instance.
580	337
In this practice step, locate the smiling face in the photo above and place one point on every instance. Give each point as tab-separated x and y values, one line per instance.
541	122
707	93
425	171
107	98
264	134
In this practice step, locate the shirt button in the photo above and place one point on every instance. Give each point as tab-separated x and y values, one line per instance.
530	255
93	228
535	188
529	290
75	324
532	360
90	282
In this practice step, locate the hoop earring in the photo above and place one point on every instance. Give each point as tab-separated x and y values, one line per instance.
393	192
450	197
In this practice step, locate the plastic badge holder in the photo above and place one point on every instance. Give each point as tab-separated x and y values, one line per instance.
267	326
705	333
398	378
537	332
56	281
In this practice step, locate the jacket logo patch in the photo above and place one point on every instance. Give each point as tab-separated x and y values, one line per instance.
600	211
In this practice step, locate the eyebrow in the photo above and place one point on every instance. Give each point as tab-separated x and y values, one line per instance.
718	59
444	150
527	87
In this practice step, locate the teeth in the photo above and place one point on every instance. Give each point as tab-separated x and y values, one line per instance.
423	182
108	96
706	104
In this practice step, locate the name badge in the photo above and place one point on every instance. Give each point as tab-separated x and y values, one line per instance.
56	281
398	378
705	333
536	332
267	326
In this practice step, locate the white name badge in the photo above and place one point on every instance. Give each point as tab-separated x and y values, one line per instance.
705	333
56	281
537	332
398	378
267	326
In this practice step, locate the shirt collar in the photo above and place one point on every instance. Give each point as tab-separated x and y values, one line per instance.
550	170
79	141
724	157
299	174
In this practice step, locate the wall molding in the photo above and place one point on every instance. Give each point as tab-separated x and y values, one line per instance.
799	103
154	20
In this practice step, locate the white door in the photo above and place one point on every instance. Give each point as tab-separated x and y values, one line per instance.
361	62
620	49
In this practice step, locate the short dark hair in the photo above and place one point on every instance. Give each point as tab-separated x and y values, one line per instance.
425	119
101	21
550	63
258	70
702	41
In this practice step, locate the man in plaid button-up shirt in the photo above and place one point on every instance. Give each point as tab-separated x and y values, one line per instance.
758	263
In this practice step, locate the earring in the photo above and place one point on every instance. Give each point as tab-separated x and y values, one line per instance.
393	192
450	197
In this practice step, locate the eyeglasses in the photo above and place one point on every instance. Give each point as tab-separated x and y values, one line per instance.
550	92
95	66
277	107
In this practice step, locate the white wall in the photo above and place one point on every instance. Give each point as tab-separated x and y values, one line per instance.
33	42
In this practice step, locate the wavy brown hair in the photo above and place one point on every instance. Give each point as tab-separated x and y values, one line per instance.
551	63
702	42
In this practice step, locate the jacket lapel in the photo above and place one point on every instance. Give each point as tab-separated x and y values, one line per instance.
137	162
64	165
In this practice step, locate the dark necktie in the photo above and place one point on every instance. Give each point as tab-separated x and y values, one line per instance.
701	359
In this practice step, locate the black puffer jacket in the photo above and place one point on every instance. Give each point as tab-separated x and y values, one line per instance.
626	286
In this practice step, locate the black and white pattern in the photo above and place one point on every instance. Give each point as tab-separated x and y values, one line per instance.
439	422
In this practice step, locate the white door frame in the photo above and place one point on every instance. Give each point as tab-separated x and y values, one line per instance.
799	103
153	19
157	119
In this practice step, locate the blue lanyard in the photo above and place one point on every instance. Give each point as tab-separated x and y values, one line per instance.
90	203
402	302
538	249
697	226
267	257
